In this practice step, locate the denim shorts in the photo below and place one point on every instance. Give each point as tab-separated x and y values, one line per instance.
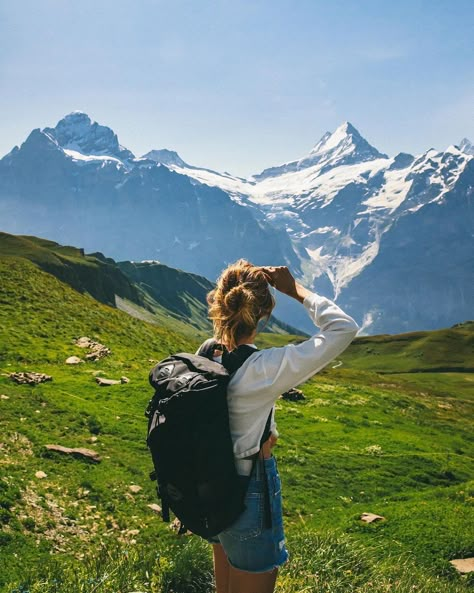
248	543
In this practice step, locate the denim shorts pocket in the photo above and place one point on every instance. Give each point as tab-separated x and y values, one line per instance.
276	485
250	522
276	504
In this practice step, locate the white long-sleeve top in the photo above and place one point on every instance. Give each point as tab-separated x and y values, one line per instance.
266	374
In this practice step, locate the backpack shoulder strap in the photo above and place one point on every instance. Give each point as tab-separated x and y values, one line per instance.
230	360
206	349
235	359
267	431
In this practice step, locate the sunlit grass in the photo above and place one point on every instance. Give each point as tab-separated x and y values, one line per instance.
399	445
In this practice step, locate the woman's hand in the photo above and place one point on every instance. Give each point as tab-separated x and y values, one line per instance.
281	278
268	446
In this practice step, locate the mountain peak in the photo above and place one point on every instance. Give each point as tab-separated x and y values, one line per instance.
40	139
347	128
165	157
78	115
344	146
466	146
76	131
345	136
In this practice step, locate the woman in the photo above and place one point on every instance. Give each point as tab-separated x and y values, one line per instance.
247	554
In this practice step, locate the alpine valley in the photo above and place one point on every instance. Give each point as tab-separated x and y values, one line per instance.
389	238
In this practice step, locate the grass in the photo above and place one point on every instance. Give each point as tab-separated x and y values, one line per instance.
395	443
407	455
444	350
320	562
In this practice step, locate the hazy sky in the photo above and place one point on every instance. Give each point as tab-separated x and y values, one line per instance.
241	85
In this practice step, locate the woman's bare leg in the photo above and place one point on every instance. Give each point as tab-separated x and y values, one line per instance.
221	569
247	582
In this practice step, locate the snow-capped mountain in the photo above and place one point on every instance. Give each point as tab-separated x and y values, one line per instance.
337	208
423	274
165	157
338	203
348	219
466	146
343	147
79	137
105	199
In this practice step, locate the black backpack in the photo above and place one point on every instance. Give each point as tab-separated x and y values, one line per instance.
189	439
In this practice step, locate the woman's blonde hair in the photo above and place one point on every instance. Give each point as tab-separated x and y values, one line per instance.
241	298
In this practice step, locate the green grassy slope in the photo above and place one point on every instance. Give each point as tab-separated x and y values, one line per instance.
397	444
89	274
149	291
450	349
367	445
182	294
40	318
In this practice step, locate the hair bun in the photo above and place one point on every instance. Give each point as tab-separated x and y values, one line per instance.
238	298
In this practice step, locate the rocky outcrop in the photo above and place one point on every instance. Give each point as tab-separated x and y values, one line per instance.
76	452
97	350
107	382
26	378
463	565
74	360
293	395
371	517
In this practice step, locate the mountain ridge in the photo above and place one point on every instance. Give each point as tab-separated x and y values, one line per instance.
153	292
76	131
328	218
344	146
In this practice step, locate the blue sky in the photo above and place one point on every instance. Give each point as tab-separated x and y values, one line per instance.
241	85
